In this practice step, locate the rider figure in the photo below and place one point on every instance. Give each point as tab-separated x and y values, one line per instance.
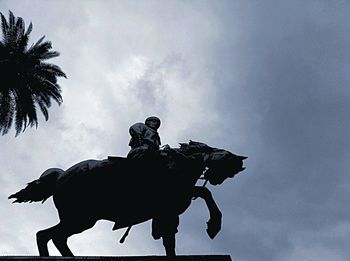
145	145
145	140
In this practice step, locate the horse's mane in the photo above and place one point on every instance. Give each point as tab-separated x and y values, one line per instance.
194	147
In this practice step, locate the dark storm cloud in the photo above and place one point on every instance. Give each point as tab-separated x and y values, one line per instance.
283	89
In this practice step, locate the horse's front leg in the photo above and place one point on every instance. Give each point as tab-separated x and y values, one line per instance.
214	223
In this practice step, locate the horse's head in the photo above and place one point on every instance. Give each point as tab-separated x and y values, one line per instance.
221	165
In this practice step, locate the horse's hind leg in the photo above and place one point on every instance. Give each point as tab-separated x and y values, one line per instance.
64	230
43	237
59	236
60	242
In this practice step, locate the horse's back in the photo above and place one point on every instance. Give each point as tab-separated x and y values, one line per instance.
94	180
115	188
78	171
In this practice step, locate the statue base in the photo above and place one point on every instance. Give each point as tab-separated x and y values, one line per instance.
121	258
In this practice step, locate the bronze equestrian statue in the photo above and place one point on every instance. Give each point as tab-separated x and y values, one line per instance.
128	191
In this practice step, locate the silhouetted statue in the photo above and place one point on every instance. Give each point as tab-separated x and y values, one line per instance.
127	192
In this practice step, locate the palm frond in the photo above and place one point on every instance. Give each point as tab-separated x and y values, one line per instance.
43	104
11	20
18	30
4	26
27	82
53	69
25	111
36	44
49	55
6	111
39	49
29	29
25	37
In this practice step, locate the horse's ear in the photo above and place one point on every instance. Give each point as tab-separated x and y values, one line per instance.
183	145
243	168
242	157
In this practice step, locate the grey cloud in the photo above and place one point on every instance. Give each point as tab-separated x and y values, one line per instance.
264	79
287	95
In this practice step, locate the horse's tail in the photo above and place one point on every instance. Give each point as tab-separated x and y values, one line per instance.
39	189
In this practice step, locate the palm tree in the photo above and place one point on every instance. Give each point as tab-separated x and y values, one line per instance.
26	81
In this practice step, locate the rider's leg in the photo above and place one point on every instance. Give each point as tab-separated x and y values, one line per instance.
169	244
166	227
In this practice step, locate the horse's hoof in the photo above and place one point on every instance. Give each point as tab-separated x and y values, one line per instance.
214	226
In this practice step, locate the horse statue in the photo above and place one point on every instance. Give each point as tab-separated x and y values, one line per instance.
129	192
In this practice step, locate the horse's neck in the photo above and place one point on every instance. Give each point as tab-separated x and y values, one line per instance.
200	157
199	160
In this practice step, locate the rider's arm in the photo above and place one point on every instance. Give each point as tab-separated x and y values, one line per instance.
137	131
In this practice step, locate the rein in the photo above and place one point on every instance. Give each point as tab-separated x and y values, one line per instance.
205	182
203	177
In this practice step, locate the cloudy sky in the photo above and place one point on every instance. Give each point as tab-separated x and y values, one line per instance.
267	79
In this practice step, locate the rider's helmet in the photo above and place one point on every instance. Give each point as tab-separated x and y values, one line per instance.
153	122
